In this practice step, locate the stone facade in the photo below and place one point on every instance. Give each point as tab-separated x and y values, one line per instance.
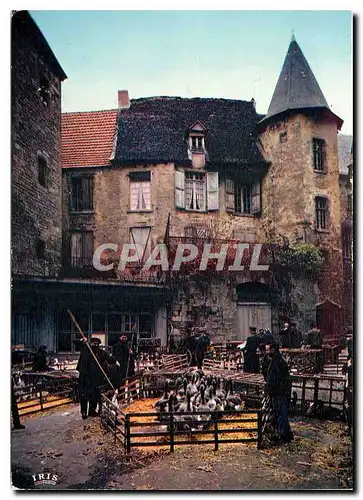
291	186
36	208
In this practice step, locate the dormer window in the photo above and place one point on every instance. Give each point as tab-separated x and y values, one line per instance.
197	142
196	137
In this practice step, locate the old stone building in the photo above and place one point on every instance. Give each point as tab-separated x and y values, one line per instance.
203	171
170	171
346	203
36	78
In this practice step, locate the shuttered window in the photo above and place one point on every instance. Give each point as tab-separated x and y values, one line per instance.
230	195
197	191
82	193
246	197
141	236
81	249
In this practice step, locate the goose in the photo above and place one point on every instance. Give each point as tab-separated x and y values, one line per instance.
192	387
203	406
182	390
233	400
220	393
212	404
163	401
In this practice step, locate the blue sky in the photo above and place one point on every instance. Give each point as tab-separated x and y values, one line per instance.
231	54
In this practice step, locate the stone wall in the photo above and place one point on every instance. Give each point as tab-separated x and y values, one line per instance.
291	186
36	210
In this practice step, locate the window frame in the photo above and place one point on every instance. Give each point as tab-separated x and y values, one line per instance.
245	194
347	242
45	90
84	261
324	214
77	202
40	249
42	168
319	155
193	182
141	179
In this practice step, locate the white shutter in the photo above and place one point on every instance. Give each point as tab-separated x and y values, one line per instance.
212	191
76	249
256	198
179	189
230	195
141	236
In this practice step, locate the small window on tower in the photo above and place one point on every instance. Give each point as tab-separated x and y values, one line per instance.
321	213
40	249
283	136
319	155
42	170
44	90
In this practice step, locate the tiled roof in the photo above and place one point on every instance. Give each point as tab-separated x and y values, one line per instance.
87	138
154	129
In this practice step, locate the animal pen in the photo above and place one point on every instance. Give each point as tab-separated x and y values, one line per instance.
152	429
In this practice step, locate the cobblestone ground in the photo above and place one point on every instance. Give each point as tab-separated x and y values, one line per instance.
83	455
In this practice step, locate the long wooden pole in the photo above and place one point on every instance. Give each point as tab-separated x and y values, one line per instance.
90	348
132	341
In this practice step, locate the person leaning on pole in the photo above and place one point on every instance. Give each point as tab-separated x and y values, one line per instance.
90	375
278	386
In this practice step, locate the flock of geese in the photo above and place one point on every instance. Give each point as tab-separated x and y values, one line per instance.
195	394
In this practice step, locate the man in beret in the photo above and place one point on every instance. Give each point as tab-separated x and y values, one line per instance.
125	358
90	375
251	362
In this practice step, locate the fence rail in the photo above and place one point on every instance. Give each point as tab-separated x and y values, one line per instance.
43	395
132	434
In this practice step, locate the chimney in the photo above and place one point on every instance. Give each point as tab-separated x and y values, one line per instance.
123	99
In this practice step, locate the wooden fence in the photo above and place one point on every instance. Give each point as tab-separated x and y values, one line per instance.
45	394
310	389
142	433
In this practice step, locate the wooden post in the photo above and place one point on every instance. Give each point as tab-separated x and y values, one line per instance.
41	396
171	433
115	426
303	409
316	391
215	432
259	429
127	433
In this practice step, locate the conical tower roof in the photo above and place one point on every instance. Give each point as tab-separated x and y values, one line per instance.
296	87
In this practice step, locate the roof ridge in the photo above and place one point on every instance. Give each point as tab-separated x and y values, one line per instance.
87	111
196	98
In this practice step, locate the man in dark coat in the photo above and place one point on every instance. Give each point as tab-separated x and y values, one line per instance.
14	409
40	360
285	336
267	337
314	339
278	386
125	359
251	363
90	376
295	337
202	342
